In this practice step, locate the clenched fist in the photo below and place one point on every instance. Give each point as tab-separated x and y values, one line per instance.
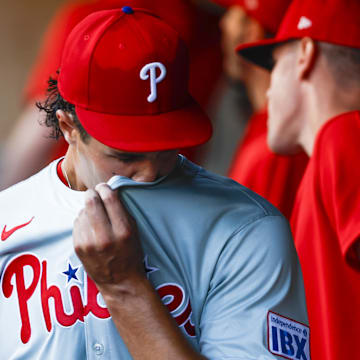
106	239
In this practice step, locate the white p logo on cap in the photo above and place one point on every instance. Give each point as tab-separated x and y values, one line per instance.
149	70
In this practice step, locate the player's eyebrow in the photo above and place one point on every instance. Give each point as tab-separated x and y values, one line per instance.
128	155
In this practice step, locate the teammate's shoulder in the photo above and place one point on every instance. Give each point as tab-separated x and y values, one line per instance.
336	145
339	129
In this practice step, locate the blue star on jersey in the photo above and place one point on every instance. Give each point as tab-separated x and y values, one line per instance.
148	269
71	273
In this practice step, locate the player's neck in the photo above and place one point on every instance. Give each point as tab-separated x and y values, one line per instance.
323	106
72	179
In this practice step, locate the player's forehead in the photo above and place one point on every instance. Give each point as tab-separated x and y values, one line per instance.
236	16
117	152
134	154
237	10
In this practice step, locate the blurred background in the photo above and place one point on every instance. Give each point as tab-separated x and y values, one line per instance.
22	24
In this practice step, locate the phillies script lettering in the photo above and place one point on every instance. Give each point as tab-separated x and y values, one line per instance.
171	294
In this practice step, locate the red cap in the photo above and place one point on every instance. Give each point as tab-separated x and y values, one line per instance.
268	13
332	21
126	72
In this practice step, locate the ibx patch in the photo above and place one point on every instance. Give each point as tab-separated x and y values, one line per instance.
288	338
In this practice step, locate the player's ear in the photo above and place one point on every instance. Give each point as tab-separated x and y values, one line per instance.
307	53
67	126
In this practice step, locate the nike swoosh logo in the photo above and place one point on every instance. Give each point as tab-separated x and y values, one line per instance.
5	234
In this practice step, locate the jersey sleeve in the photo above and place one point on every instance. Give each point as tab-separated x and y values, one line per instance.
340	182
258	272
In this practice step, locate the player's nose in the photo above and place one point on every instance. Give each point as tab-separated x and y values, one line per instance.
147	171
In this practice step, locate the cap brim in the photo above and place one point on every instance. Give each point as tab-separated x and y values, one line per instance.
260	52
185	127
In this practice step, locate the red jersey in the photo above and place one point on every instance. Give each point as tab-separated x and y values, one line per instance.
326	224
275	177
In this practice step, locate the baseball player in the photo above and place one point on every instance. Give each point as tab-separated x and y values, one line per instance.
272	176
166	261
314	104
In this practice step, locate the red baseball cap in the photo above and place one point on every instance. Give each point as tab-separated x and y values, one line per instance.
126	72
268	13
332	21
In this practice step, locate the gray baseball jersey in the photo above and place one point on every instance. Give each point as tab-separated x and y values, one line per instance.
220	257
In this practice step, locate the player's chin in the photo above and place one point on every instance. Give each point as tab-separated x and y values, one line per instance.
280	145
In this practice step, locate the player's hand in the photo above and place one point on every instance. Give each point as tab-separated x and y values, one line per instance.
106	241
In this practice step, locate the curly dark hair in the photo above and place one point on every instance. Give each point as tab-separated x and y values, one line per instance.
51	105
